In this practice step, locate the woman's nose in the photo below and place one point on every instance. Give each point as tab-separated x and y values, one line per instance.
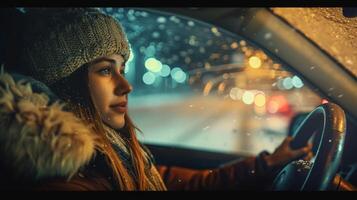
123	87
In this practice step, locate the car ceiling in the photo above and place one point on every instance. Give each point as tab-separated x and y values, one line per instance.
339	33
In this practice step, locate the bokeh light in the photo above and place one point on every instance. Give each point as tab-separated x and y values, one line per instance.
248	97
149	78
255	62
152	64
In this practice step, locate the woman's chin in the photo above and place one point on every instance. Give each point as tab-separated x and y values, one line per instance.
115	122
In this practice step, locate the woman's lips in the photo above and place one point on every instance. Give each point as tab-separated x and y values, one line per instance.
120	107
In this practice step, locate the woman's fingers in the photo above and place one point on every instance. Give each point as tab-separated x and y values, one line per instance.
287	141
309	156
300	152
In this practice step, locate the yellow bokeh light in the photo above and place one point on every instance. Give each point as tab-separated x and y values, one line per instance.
234	45
207	88
259	99
255	62
221	87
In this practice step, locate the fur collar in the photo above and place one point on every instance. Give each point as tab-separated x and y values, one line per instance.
38	139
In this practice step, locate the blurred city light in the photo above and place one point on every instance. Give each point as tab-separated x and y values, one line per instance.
152	64
287	83
259	99
255	62
165	71
178	75
149	78
248	97
297	82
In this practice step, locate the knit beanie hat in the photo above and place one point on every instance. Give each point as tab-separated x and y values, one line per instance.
57	41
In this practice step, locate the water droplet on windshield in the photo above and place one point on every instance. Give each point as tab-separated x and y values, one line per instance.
267	36
340	96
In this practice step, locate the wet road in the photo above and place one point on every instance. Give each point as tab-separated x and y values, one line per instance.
213	124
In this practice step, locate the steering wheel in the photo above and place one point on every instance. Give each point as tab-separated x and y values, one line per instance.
326	125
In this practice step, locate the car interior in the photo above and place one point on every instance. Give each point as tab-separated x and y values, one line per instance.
213	85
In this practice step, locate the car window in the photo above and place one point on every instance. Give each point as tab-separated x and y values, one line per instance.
199	86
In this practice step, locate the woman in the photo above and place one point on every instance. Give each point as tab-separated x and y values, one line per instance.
88	142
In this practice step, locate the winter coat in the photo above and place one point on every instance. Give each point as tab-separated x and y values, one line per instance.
44	147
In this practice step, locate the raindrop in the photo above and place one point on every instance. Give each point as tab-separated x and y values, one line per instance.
191	23
81	175
252	171
161	19
267	36
162	26
144	14
330	140
312	67
340	96
176	37
155	34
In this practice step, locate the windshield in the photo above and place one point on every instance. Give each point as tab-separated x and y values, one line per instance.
198	86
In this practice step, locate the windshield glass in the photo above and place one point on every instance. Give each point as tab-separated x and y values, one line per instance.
198	86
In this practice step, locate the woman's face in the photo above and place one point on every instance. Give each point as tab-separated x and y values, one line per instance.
108	89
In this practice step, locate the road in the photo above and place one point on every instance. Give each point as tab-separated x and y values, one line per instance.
209	123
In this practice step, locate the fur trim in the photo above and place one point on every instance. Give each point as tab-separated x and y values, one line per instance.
38	140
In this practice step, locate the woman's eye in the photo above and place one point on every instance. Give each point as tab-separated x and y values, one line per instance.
105	71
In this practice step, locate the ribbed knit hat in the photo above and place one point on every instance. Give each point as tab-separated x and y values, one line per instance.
57	41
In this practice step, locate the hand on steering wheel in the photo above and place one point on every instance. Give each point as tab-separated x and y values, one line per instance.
327	125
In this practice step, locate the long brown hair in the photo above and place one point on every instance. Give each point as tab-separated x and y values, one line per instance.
75	91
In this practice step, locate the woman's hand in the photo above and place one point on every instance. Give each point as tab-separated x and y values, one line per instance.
283	154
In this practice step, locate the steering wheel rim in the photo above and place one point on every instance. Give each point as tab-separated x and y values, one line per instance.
328	149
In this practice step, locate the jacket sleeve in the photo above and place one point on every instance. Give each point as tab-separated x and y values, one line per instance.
77	183
251	173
